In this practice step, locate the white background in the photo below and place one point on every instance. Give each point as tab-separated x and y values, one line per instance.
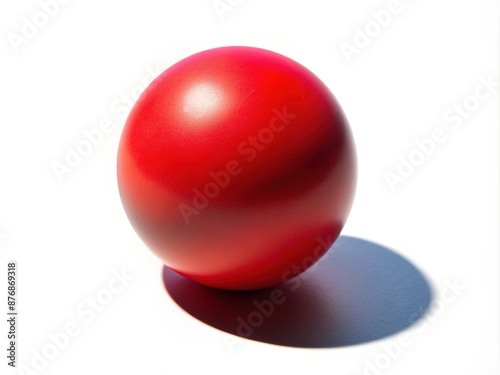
68	236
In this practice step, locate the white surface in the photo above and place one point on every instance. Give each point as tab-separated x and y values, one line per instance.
67	237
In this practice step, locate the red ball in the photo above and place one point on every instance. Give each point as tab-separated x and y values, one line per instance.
237	168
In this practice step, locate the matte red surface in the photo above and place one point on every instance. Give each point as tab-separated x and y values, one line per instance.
273	200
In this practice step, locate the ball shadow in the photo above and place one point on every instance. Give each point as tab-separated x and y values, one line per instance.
358	292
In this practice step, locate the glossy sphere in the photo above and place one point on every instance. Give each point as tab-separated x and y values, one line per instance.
237	168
